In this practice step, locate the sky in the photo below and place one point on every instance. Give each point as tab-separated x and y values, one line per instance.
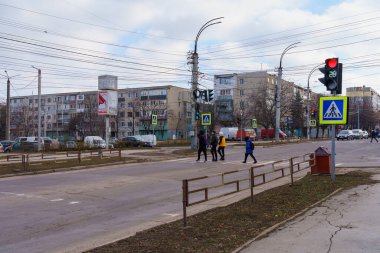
147	42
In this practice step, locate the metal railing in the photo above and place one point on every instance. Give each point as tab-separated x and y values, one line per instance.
234	181
29	160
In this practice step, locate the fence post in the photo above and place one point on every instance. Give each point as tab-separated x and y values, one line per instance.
79	156
23	161
120	154
100	153
185	200
291	170
252	182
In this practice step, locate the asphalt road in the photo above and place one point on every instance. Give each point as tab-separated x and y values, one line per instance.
77	210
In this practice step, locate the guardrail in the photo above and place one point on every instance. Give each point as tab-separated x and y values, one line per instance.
234	181
29	160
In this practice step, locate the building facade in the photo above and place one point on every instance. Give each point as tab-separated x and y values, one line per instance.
75	114
235	94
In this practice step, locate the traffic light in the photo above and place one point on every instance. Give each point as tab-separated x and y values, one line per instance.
210	95
204	96
197	115
333	75
312	113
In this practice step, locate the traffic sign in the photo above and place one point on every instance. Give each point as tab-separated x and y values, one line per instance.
206	119
313	123
153	119
254	123
333	110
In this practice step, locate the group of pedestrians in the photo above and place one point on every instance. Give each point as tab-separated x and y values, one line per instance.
220	143
214	143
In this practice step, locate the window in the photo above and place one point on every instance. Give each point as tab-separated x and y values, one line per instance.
241	81
130	115
225	92
49	100
137	114
122	123
241	93
130	124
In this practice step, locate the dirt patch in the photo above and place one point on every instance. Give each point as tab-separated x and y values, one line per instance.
226	228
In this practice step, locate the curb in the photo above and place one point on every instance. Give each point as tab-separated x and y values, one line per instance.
274	227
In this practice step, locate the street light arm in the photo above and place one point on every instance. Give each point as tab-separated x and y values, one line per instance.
291	46
207	24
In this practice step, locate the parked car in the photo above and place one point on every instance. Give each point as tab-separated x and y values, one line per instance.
134	141
1	148
358	133
94	142
71	144
25	146
6	143
365	134
345	135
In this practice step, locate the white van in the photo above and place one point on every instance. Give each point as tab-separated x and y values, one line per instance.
149	139
94	142
27	139
229	132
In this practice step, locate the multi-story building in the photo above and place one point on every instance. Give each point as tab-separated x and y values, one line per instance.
234	94
171	104
76	114
362	94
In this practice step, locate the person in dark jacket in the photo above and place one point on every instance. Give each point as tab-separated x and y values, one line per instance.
202	145
373	135
214	143
249	147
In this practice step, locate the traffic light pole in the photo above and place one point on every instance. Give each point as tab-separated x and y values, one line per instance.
333	149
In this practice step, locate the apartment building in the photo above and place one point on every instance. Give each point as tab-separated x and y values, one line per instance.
362	95
76	114
234	95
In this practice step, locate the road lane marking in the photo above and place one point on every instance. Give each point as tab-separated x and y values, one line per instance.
73	202
56	200
171	214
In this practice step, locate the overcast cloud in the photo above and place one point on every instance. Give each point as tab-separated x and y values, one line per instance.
146	43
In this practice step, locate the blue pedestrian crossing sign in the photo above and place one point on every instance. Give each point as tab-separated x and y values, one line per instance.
206	119
333	110
153	119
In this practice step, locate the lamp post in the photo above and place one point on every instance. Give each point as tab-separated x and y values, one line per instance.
308	100
194	78
278	91
39	108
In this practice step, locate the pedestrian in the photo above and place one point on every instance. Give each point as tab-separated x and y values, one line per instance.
222	145
214	143
249	147
373	135
202	145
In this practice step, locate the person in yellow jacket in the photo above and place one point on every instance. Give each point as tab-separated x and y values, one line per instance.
222	145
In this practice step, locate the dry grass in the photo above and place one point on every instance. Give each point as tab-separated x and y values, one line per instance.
225	229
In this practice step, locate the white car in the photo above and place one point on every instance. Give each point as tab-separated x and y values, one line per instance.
345	135
358	133
365	134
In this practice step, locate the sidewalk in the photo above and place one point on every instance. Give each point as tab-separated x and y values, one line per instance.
348	222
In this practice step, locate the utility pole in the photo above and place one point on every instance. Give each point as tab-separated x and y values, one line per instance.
8	111
194	80
8	108
39	109
278	92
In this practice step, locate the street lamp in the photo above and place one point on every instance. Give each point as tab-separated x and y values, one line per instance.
308	100
278	92
39	108
194	78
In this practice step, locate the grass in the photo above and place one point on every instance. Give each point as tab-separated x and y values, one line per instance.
226	228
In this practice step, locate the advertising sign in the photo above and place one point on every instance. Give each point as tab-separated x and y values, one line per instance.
107	102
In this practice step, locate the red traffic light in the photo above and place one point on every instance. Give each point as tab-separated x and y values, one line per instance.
332	63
